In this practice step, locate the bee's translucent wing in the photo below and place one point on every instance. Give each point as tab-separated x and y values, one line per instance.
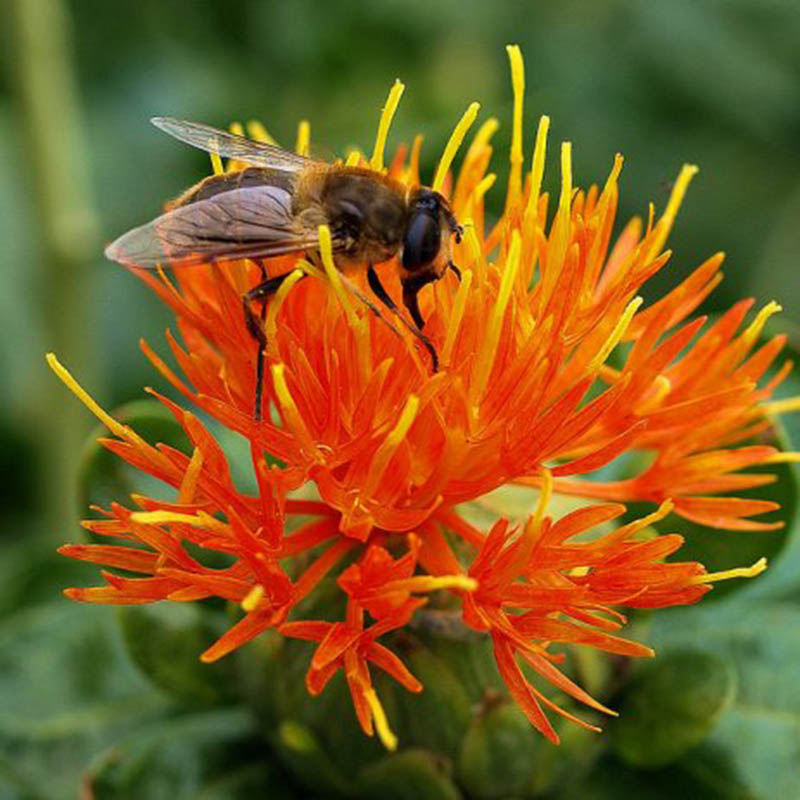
229	145
254	222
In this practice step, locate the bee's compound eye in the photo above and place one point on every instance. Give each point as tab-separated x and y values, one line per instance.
422	241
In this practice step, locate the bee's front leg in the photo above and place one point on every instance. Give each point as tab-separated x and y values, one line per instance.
255	326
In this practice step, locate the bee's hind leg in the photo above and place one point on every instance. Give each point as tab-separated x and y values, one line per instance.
255	326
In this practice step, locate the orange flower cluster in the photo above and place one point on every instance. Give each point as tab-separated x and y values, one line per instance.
525	395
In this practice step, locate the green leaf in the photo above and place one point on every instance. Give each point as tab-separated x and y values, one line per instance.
497	754
671	707
67	691
200	755
611	780
165	641
410	775
759	737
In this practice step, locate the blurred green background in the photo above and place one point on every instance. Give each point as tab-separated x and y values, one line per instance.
714	82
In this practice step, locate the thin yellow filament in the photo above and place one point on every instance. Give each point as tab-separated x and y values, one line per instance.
616	335
353	158
303	137
384	453
451	148
117	428
257	131
291	413
459	305
739	572
483	137
781	406
277	301
199	520
189	482
546	492
480	189
661	388
516	156
216	162
385	734
475	250
783	458
326	252
431	583
664	225
486	357
537	167
251	600
387	115
754	329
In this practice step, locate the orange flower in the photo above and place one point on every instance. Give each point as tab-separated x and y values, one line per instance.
525	395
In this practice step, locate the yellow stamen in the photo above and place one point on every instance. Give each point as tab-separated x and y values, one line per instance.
236	128
189	482
398	433
545	493
739	572
656	516
664	225
326	252
616	335
291	414
387	449
476	252
353	158
483	137
431	583
303	137
660	389
781	406
310	269
486	356
277	301
451	148
257	131
480	189
459	304
516	156
754	329
565	200
252	598
387	114
199	520
537	167
216	162
783	458
117	428
385	734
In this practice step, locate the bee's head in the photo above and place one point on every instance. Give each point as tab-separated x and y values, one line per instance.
426	243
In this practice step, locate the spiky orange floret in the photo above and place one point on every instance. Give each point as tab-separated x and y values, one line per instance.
525	395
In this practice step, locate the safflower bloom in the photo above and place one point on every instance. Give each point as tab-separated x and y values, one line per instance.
525	395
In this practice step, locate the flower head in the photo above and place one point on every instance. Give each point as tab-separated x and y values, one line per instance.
525	394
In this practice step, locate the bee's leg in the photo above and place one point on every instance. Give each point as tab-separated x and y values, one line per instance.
411	289
453	268
263	291
377	287
382	295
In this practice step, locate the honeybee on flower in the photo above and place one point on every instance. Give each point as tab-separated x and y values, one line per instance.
524	394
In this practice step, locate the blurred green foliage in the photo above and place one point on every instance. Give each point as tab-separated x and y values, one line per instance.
712	82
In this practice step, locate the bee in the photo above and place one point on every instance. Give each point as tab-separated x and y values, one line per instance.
275	205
